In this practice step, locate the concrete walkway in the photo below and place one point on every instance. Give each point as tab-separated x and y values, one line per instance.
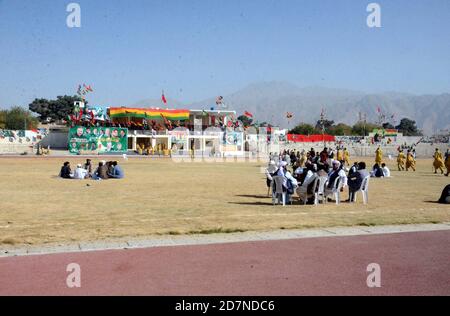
182	240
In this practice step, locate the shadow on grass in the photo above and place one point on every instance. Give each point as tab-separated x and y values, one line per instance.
434	202
252	203
255	196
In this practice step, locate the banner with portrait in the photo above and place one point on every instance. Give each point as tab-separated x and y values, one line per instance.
98	139
232	141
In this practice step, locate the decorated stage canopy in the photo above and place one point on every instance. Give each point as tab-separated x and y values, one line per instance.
151	114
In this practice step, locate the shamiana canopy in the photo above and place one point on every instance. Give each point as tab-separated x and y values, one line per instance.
151	114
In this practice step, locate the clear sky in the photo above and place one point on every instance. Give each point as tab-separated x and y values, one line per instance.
194	49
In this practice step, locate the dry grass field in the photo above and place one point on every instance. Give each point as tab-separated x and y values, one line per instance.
159	196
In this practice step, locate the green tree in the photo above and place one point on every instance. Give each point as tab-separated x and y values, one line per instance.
340	129
18	118
2	119
327	124
247	121
388	126
303	129
408	128
53	110
363	129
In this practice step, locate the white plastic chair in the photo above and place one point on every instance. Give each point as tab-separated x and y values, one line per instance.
303	192
320	193
364	190
277	181
335	190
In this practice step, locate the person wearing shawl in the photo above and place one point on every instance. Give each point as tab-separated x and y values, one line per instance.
378	156
289	182
447	162
438	162
346	157
401	160
445	196
410	161
340	155
270	171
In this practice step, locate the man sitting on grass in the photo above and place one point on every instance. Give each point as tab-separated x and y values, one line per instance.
377	171
65	172
117	172
101	173
80	173
445	196
386	171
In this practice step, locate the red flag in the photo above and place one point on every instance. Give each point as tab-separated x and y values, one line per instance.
163	98
248	114
378	109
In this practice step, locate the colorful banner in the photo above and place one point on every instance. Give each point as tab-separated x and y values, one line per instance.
98	139
232	141
21	136
386	132
310	139
151	114
233	138
98	111
178	136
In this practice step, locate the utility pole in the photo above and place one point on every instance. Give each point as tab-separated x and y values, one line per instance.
322	123
363	119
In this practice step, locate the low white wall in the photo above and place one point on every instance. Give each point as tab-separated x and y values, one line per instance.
15	148
422	150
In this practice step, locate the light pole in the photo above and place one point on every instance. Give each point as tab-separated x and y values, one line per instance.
322	123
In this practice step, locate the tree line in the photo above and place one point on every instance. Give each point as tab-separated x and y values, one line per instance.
17	118
406	126
48	111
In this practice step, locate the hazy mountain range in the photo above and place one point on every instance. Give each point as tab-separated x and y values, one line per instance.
269	101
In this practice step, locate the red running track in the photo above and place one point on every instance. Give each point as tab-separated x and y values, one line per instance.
411	264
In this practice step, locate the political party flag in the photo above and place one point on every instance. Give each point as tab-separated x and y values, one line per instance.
248	114
163	98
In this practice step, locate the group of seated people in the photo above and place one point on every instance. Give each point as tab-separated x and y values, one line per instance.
302	179
297	158
105	170
380	171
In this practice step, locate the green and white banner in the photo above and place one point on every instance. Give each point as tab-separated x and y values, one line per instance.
98	139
